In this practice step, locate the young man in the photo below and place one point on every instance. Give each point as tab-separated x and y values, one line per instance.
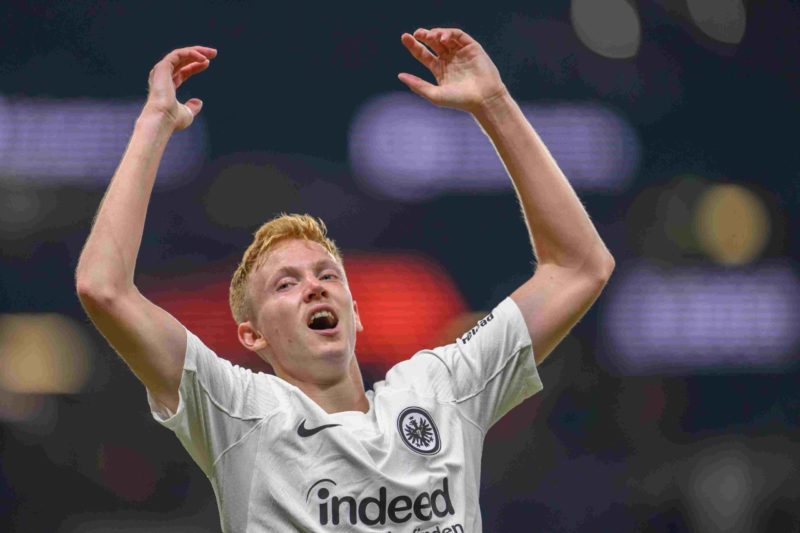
309	449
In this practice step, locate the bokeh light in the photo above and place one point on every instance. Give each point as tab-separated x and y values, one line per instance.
722	20
610	28
80	141
406	302
659	220
16	407
692	319
401	147
732	224
723	489
43	353
695	340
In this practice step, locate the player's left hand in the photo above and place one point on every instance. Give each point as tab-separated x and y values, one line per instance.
466	78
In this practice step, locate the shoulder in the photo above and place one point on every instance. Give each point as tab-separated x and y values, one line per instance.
423	374
233	388
471	357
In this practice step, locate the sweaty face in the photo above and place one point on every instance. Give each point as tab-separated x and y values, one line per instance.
303	316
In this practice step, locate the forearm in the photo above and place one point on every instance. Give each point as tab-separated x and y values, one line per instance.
560	229
108	259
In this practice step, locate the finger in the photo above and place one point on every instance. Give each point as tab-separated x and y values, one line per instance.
430	41
188	71
420	53
160	75
170	66
174	63
181	57
447	42
198	52
438	36
457	38
194	105
451	39
209	52
419	86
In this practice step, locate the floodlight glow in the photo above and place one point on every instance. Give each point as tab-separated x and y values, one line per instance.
674	320
80	141
403	147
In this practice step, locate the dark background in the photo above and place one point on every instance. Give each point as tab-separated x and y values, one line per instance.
599	449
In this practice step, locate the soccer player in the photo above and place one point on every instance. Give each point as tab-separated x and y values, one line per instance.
308	449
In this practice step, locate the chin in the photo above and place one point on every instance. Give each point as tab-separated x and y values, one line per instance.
333	355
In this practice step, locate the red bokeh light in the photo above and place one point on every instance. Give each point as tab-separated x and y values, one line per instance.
406	302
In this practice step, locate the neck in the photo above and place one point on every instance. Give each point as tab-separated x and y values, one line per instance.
345	394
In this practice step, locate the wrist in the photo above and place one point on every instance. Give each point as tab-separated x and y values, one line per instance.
495	107
156	121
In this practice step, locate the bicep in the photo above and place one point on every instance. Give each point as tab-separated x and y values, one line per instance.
150	340
554	300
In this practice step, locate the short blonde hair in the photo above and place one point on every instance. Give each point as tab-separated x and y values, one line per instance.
280	228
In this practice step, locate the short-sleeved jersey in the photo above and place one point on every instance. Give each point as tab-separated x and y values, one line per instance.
278	462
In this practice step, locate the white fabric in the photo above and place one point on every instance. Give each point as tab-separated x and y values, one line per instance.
361	475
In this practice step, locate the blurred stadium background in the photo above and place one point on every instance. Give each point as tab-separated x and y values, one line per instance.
673	406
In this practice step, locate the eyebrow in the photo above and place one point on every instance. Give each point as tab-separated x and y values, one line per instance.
290	270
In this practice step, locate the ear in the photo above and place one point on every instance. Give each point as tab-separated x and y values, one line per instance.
359	326
250	338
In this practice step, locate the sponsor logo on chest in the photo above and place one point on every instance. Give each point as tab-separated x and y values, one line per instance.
335	508
335	505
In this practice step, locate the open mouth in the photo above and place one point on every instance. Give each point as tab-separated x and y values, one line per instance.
322	320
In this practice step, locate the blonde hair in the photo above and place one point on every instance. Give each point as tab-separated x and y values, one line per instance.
280	228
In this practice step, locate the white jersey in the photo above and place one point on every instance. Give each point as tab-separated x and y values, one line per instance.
278	462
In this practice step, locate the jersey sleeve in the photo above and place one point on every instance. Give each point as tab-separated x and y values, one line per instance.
485	372
219	403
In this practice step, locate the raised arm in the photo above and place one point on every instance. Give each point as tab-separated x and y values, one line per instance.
149	339
573	263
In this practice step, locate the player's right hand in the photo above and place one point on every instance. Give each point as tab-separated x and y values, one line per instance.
165	78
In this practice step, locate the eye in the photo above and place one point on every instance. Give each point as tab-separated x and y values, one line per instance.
328	276
283	285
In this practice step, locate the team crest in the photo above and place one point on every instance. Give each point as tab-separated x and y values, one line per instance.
418	431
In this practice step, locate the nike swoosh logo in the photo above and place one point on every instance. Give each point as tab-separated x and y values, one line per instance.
303	431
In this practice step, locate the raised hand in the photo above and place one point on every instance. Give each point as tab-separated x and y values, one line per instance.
165	78
466	78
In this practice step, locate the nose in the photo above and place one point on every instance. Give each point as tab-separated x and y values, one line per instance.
313	289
